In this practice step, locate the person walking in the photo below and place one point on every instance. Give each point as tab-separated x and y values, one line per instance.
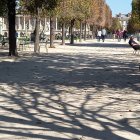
99	34
103	34
119	35
125	35
114	35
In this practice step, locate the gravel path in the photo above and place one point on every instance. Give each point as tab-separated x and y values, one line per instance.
89	91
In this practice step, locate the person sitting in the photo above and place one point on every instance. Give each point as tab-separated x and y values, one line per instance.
134	44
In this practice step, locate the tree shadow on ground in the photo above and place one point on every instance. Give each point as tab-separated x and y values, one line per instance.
100	44
41	97
73	70
3	54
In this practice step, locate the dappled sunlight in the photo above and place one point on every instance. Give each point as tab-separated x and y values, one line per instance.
64	113
64	97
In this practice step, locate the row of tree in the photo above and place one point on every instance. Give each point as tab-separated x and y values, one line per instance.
134	22
116	25
96	13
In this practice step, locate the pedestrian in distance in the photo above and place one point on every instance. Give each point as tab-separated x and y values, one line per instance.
99	34
119	35
114	35
125	36
103	34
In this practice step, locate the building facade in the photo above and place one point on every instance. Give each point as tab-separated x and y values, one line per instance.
124	18
25	25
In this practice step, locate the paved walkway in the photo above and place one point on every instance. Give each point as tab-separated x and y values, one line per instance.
90	91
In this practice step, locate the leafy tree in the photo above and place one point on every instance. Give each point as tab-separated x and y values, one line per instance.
38	8
65	14
76	10
3	7
101	15
86	13
134	22
115	24
108	15
9	7
136	10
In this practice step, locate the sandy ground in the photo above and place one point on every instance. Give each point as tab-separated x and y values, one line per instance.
89	91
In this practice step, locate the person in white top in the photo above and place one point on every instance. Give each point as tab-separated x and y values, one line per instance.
103	34
99	34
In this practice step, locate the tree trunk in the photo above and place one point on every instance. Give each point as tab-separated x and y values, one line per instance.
37	27
63	33
52	36
80	38
72	32
85	31
12	31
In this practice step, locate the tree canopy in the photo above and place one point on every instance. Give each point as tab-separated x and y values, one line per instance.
134	22
115	24
3	7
